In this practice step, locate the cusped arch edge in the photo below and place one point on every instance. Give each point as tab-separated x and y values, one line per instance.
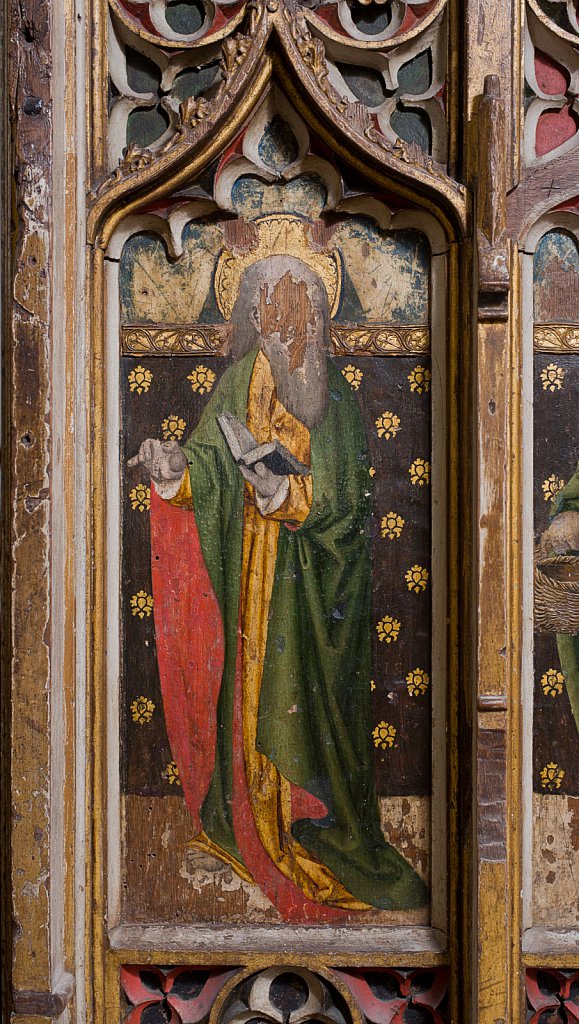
153	177
345	131
348	130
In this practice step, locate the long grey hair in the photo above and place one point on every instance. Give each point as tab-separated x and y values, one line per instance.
303	391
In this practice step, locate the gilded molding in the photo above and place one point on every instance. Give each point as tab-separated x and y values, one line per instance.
556	338
196	339
187	153
313	54
182	340
246	68
133	159
194	110
380	339
411	153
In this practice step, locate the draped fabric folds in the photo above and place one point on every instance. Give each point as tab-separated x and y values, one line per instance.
567	500
263	638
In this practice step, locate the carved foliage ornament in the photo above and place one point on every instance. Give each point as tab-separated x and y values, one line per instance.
276	154
382	339
556	338
398	75
410	126
158	93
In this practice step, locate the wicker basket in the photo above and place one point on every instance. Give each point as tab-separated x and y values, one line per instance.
557	594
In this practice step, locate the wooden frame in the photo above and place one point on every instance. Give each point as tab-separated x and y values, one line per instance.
262	942
55	502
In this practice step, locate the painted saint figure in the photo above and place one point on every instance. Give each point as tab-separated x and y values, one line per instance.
262	590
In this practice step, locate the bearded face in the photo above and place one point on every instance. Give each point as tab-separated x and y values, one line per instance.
282	307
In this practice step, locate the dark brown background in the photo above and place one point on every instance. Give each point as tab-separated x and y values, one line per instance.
402	769
555	451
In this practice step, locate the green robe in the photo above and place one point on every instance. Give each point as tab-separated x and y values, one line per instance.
318	655
567	500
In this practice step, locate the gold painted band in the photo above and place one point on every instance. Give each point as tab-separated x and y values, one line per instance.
347	340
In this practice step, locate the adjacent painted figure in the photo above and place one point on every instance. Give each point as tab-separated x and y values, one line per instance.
262	589
562	538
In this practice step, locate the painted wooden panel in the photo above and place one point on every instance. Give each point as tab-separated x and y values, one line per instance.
385	275
556	638
556	279
177	391
373	277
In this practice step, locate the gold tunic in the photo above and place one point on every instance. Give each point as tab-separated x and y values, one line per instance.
269	791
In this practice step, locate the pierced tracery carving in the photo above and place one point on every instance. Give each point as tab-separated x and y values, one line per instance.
280	995
158	92
372	88
397	74
283	995
274	162
551	995
552	80
388	87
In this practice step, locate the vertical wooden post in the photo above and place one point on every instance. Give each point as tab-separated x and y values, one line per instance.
492	110
495	651
29	57
39	950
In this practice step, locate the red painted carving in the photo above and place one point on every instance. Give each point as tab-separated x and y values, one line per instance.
552	996
555	127
181	995
413	15
570	204
389	995
185	995
140	15
552	78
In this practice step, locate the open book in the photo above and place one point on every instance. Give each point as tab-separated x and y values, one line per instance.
244	448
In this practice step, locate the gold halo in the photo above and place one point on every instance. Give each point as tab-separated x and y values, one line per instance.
279	235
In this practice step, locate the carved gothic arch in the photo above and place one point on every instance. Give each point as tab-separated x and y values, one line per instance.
278	39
